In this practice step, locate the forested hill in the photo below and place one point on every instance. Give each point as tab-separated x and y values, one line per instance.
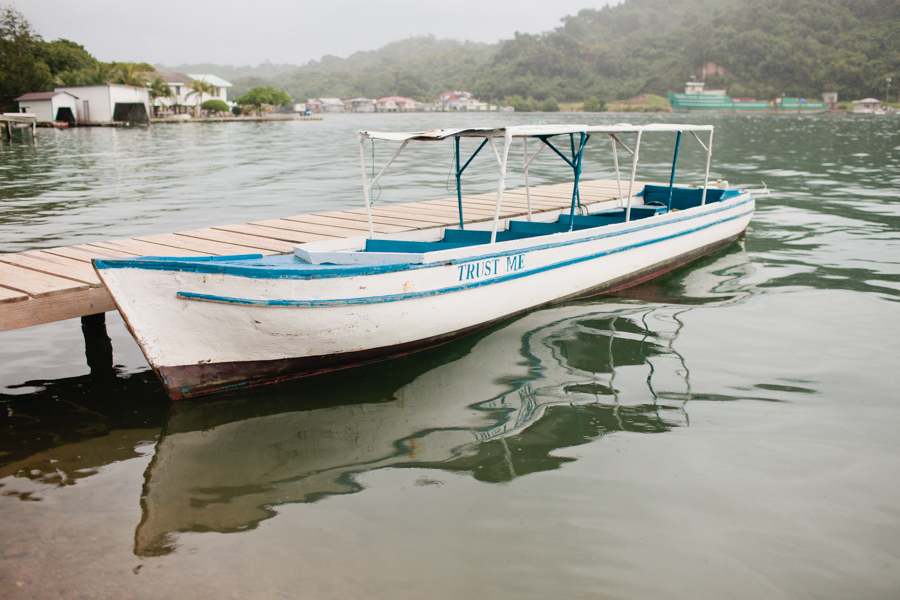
763	48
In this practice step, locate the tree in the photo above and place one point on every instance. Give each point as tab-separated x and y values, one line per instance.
215	105
199	87
262	96
63	55
592	104
20	71
101	73
549	105
69	78
130	74
158	88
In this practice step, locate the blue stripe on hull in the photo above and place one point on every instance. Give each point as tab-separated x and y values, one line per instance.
450	289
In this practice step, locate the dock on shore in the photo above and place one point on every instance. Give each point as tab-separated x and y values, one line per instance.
53	284
7	119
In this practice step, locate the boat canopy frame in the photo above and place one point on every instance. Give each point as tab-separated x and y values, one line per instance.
543	133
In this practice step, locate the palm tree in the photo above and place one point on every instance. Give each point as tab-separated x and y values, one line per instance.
129	74
158	88
69	78
99	75
198	88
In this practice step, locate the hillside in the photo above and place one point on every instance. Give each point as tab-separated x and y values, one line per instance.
760	48
755	48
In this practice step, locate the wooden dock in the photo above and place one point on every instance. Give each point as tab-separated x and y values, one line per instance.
43	286
7	119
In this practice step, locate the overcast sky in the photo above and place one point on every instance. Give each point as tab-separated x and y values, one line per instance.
229	32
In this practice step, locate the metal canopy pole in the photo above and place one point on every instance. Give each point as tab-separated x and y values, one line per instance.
708	159
501	183
459	172
672	176
528	162
367	185
634	161
576	166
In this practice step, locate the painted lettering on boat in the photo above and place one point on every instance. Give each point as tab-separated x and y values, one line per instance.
491	266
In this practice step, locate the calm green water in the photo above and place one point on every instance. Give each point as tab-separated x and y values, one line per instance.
727	431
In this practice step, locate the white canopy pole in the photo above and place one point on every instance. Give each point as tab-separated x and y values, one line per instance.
501	182
706	176
362	164
525	163
634	161
367	187
528	162
616	162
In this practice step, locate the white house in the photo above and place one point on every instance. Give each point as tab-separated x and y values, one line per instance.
457	101
184	99
220	87
50	106
359	105
395	104
332	105
109	102
177	103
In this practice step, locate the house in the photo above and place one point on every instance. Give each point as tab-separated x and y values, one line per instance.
395	104
109	102
184	99
49	107
220	87
868	106
177	103
457	101
359	105
314	105
332	105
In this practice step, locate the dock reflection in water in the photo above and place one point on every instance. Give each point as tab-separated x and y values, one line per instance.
494	405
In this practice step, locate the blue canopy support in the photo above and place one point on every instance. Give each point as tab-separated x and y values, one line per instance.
459	172
575	163
674	162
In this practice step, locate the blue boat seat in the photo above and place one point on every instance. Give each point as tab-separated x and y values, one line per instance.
408	246
536	227
684	198
472	237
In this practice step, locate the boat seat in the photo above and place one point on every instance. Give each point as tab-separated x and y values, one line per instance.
470	237
609	217
684	198
408	246
536	227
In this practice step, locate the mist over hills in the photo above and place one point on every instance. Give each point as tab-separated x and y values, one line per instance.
755	48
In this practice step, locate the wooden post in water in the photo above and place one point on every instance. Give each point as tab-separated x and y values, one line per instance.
97	345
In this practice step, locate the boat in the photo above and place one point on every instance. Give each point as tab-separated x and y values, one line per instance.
215	323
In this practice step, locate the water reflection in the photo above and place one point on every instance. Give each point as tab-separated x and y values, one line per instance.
495	405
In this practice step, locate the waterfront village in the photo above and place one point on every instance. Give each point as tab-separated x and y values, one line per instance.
205	96
111	103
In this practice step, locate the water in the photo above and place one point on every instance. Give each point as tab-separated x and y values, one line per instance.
728	430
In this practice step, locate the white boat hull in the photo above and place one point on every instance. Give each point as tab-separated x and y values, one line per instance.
203	331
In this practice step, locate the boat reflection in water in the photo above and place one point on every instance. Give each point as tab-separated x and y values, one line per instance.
494	405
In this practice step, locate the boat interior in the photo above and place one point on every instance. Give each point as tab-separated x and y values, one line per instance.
656	201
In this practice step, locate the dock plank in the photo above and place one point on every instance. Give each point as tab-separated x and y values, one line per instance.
35	283
8	295
243	244
54	265
285	235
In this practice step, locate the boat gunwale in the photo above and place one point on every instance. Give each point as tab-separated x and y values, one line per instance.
308	271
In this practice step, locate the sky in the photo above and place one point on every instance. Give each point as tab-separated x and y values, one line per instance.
249	32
